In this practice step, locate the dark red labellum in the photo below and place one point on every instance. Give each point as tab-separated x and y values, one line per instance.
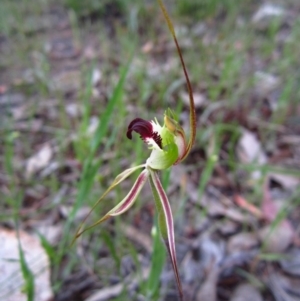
145	129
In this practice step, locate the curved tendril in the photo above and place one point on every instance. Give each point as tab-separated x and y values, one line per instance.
193	125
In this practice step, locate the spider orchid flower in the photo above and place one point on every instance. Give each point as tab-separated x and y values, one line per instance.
169	146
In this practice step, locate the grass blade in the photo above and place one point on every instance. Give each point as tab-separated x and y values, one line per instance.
27	274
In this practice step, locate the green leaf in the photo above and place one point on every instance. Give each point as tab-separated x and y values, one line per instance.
27	273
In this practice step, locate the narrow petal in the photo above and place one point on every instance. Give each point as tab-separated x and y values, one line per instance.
121	177
128	201
193	122
165	219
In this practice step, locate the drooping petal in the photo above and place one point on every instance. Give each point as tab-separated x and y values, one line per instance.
128	201
121	177
165	220
145	129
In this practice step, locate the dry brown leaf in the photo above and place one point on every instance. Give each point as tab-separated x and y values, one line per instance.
265	83
74	110
110	292
199	99
284	288
243	203
81	213
286	181
137	236
67	82
11	278
268	10
52	233
147	47
227	227
96	76
3	89
276	239
246	292
39	160
291	263
249	150
208	290
242	242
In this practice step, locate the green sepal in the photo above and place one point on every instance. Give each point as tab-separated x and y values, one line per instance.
163	158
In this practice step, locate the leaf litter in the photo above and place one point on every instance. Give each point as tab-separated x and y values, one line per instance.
11	277
240	228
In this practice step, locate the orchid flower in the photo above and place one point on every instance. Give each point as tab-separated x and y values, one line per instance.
169	146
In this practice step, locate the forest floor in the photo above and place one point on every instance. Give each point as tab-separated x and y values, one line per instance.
66	99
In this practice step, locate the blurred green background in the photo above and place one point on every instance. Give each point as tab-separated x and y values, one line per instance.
73	74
